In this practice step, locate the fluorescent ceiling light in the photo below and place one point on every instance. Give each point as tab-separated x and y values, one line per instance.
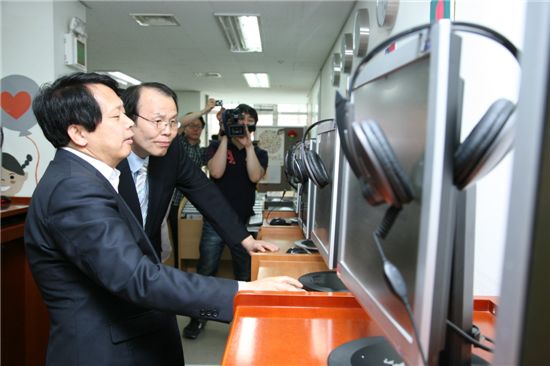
241	31
122	78
258	80
147	20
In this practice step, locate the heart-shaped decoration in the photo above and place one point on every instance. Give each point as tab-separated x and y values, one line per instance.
17	105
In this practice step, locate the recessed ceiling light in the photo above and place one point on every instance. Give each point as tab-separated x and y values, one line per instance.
207	74
149	20
257	80
241	31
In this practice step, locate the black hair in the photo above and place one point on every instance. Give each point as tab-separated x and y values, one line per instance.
10	163
68	101
245	108
130	97
199	118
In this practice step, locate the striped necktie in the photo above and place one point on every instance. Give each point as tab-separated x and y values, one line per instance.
142	189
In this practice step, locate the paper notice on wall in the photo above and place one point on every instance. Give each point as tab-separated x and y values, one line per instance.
273	141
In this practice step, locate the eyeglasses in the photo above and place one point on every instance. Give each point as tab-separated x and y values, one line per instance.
161	125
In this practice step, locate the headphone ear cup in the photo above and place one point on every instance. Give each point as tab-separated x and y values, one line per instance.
298	166
486	145
315	168
379	165
288	167
343	108
289	156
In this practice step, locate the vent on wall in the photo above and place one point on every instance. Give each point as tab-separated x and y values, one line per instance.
155	20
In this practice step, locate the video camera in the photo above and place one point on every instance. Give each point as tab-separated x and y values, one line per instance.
231	125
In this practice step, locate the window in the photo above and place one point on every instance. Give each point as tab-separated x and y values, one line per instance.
268	115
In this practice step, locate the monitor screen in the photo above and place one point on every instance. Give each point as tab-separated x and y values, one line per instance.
304	208
411	93
305	200
325	200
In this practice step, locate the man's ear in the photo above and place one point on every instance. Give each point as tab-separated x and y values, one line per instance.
78	135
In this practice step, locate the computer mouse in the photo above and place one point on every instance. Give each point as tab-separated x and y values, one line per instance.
307	243
278	221
297	250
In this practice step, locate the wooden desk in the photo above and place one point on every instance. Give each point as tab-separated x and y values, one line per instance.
280	263
293	328
24	316
283	236
288	328
293	265
189	237
271	214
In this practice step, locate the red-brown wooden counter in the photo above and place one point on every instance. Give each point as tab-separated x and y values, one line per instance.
288	328
24	317
276	328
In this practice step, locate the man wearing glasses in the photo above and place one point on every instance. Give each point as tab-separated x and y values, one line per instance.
191	131
110	299
156	167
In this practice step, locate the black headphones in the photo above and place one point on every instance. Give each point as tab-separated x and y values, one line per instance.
302	163
288	168
373	161
298	165
294	166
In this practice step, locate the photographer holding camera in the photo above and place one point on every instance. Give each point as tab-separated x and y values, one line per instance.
235	166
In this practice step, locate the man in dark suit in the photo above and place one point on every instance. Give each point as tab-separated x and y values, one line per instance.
110	300
154	109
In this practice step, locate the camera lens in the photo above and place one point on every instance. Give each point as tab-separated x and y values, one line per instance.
236	130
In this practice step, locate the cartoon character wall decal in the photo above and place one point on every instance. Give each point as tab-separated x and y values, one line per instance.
16	95
13	174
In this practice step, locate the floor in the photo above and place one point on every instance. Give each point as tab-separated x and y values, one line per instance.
208	348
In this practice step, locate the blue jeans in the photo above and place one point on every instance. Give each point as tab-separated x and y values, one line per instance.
211	249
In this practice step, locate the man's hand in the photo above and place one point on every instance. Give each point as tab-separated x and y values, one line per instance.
219	115
210	104
258	246
245	140
279	283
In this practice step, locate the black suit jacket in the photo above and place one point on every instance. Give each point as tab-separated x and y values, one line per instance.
110	300
176	170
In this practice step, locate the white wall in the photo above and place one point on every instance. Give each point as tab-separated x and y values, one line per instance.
490	72
189	101
32	46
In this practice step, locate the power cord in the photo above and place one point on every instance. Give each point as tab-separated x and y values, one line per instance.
392	274
273	207
473	338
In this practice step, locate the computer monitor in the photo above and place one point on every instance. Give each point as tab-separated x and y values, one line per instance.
523	323
412	93
324	226
305	200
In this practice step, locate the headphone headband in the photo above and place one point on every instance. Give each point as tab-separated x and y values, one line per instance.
456	26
